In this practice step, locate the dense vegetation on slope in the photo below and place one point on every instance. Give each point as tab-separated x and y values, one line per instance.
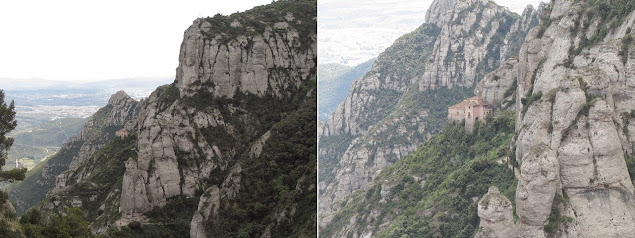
288	162
409	54
51	133
34	224
41	178
433	192
334	87
103	184
258	18
402	60
35	186
170	221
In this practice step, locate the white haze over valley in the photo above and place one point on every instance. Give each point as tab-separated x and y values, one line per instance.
66	58
351	32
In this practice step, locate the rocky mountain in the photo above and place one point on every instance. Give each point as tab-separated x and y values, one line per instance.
403	100
574	108
434	190
235	134
97	132
567	144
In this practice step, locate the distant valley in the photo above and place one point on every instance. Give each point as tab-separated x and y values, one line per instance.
51	112
334	81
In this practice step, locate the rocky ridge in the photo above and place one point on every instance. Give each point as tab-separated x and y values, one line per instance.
402	100
120	109
495	213
97	132
244	81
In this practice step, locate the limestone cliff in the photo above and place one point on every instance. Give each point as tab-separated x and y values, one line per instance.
403	100
97	132
121	109
574	128
232	135
495	213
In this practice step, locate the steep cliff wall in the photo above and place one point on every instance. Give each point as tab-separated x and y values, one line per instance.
404	99
234	134
575	76
573	101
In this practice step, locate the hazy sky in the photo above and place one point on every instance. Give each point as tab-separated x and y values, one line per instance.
353	31
98	40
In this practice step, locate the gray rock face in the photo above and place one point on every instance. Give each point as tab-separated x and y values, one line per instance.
194	134
573	101
439	12
211	199
120	109
155	175
472	33
495	212
244	64
536	189
498	87
383	118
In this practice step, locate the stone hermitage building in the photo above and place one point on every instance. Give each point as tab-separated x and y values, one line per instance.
470	110
123	133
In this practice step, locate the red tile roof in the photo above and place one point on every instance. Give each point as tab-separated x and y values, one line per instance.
473	101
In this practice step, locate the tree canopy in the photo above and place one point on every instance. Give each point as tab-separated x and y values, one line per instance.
7	124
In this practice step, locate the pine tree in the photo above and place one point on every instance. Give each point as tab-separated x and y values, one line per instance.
7	124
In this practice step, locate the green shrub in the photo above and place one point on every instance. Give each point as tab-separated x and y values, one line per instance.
33	216
14	174
528	101
456	166
7	231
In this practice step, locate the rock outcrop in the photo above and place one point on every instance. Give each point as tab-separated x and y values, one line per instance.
536	189
68	166
403	99
574	104
476	36
256	63
581	115
97	132
245	64
495	212
214	136
498	87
